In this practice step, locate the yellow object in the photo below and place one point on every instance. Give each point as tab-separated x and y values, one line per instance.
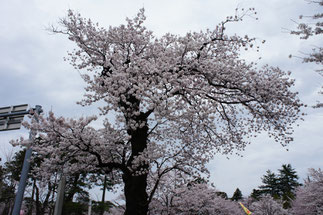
245	209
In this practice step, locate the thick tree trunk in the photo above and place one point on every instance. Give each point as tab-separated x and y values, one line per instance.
38	204
30	210
46	201
136	195
136	180
103	195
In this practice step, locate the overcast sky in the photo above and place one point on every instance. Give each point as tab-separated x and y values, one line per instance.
32	69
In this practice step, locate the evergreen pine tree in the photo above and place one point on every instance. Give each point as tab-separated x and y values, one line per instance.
287	184
222	194
271	185
281	186
237	195
256	194
7	193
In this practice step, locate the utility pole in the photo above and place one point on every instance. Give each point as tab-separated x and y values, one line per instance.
26	166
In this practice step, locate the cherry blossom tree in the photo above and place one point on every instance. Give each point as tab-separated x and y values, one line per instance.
176	102
309	198
181	194
194	199
310	28
267	205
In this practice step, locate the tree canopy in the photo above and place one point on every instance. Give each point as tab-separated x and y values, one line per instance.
309	198
280	186
311	25
176	102
237	195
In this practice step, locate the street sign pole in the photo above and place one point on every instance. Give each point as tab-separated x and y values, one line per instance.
25	169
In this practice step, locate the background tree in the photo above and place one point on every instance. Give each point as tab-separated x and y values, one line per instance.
195	199
256	194
237	195
10	178
222	194
106	185
288	182
281	186
177	101
76	195
101	208
267	205
309	198
270	185
7	193
37	194
40	192
312	27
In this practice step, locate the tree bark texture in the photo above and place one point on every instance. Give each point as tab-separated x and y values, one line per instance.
136	195
136	184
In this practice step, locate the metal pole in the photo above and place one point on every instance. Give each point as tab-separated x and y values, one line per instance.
90	207
60	196
25	169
